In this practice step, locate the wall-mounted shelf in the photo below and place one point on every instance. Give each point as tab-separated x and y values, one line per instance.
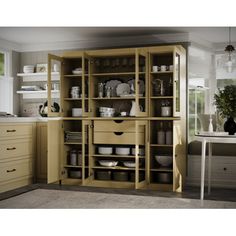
35	77
38	94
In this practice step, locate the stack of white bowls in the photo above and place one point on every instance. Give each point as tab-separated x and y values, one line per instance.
28	69
75	92
106	111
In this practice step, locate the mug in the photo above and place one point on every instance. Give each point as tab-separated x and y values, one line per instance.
154	68
171	67
163	68
165	111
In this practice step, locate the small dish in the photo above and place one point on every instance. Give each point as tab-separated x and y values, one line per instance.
108	163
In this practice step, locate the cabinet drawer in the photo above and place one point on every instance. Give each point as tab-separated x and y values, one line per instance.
15	169
15	148
116	126
15	130
117	138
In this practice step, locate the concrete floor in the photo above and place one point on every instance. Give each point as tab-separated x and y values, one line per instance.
219	198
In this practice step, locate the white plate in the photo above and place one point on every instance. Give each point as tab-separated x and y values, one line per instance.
113	84
122	89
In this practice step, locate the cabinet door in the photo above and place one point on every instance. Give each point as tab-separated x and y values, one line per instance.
179	157
42	152
54	87
55	139
141	82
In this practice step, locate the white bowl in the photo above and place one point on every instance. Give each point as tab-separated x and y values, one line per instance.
141	151
122	151
107	114
105	150
76	112
130	164
76	72
106	109
164	160
108	163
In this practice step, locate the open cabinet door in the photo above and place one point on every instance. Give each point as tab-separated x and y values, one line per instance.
179	157
54	85
54	153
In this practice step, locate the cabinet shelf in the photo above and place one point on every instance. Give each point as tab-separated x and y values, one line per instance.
72	143
72	166
118	98
162	170
161	72
117	73
162	97
74	99
75	76
117	156
160	145
35	77
115	168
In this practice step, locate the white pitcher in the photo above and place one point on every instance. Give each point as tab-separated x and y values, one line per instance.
133	109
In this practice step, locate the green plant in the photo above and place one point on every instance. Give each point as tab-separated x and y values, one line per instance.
225	101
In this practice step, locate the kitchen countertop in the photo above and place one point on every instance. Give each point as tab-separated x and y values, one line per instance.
27	119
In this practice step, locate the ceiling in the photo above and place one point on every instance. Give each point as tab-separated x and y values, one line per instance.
29	35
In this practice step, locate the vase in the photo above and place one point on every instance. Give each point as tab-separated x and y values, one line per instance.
230	126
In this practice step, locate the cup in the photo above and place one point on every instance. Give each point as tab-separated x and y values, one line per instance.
123	113
171	67
163	68
154	68
166	111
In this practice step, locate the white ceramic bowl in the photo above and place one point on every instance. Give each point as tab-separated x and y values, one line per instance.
108	163
76	112
76	72
105	150
164	160
106	109
141	151
107	114
122	151
130	164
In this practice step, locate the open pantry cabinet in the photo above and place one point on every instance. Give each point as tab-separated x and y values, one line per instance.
115	103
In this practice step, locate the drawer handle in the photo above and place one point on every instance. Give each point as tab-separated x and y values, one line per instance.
11	170
11	130
13	148
118	133
118	121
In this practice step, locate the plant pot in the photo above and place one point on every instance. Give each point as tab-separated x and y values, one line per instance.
230	126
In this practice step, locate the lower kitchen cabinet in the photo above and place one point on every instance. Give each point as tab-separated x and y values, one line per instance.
17	159
42	152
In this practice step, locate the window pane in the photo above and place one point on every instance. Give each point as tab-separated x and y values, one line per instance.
2	72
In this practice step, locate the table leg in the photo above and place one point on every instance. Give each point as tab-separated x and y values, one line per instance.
209	167
203	168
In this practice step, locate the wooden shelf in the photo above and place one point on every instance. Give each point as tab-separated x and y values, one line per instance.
117	156
117	73
115	168
161	72
73	143
160	145
161	97
162	170
74	99
163	118
118	98
72	166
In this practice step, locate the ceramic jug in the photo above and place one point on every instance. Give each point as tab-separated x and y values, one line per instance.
133	109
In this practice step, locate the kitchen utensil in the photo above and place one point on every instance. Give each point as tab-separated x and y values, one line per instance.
141	86
76	112
154	68
122	150
76	174
105	150
108	163
165	109
164	177
103	175
120	176
133	109
163	68
141	151
164	160
73	157
171	67
122	89
130	164
77	71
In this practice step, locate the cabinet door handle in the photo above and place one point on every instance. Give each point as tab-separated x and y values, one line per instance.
11	130
118	133
8	171
118	121
13	148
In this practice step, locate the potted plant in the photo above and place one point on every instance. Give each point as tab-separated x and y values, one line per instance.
225	101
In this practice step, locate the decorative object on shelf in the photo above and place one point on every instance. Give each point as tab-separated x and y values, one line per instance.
77	71
158	88
100	90
225	102
105	150
210	127
106	111
133	109
171	67
132	86
169	135
229	49
122	150
43	109
28	69
163	68
41	68
113	83
122	89
75	92
161	135
165	108
76	112
108	163
155	69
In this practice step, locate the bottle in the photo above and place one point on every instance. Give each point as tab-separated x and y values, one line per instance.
161	135
210	127
169	135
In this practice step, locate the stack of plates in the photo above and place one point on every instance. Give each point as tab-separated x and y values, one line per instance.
73	136
28	69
